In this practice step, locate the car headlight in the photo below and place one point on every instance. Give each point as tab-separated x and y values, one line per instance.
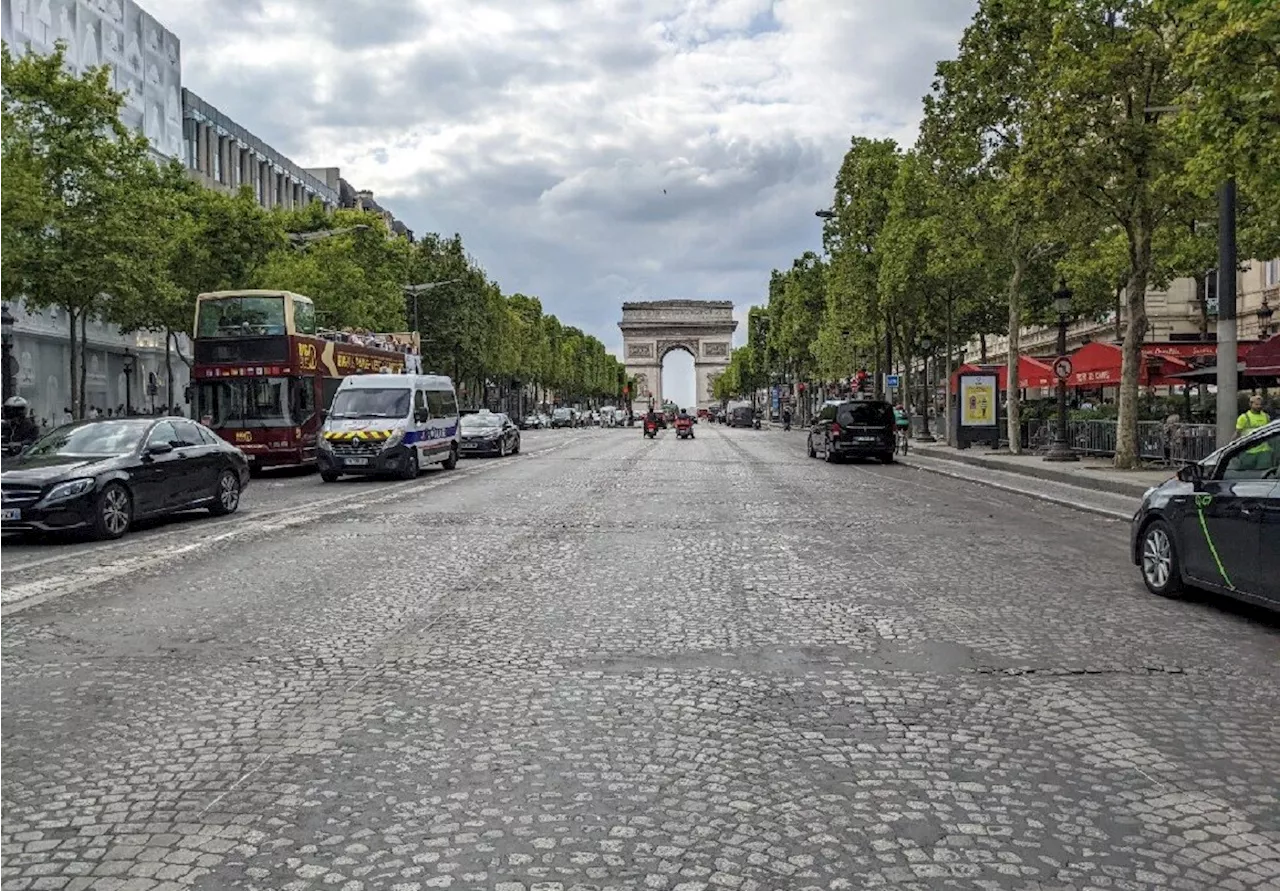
396	437
69	489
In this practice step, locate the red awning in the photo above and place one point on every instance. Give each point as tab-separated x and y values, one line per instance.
1264	360
1098	365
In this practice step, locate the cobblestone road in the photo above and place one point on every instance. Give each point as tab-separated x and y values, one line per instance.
628	664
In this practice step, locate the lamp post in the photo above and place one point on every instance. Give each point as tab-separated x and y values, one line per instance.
926	345
1060	450
415	291
128	363
7	322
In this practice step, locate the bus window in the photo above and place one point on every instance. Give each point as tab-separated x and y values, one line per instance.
240	316
303	399
304	317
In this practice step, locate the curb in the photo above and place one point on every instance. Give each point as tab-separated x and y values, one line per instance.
1038	496
1114	487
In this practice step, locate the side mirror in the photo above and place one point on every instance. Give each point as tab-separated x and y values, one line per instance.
159	448
1191	473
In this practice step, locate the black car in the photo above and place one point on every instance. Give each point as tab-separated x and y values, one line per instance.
1216	525
488	433
853	428
101	476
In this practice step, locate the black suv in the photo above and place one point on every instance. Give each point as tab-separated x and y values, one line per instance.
855	427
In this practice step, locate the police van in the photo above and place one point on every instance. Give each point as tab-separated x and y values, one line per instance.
389	424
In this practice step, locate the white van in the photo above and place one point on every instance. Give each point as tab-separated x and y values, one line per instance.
389	424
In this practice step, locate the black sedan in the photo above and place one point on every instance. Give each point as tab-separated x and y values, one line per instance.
101	476
488	433
1216	525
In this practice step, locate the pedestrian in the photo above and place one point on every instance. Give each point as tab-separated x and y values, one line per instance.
786	418
1258	457
1170	431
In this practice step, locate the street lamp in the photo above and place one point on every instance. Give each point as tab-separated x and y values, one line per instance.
128	363
1265	312
1060	450
926	345
6	326
415	290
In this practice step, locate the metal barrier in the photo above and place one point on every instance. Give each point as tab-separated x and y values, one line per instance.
1181	444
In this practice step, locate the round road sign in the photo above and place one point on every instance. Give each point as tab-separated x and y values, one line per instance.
1062	367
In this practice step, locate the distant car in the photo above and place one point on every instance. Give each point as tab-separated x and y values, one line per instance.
1214	525
853	428
531	422
562	417
488	433
102	476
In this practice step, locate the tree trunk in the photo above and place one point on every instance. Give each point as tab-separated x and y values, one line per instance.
1013	413
1135	331
74	380
84	364
982	349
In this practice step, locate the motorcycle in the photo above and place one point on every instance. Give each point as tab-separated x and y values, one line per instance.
684	428
651	429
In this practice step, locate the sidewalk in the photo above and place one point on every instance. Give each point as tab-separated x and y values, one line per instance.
1088	472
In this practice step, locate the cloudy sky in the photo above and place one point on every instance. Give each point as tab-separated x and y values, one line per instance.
588	151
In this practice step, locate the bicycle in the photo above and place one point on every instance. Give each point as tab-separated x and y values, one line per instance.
902	440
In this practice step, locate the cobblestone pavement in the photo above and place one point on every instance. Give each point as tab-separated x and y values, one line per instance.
630	664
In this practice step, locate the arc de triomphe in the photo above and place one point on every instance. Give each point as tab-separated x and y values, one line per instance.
651	329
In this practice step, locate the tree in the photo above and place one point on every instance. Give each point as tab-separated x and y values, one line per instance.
1095	142
974	132
80	189
853	322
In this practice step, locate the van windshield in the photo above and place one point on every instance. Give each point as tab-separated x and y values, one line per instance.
370	402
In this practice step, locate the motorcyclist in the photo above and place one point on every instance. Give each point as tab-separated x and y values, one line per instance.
684	419
20	427
651	420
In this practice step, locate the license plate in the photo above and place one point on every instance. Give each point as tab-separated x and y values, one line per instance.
471	445
356	462
865	439
10	513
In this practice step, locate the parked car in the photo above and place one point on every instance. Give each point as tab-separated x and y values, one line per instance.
862	428
488	433
1216	524
102	476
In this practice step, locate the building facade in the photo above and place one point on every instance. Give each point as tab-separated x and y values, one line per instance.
1176	315
223	155
351	198
146	62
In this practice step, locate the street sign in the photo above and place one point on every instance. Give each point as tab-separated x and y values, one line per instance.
1062	367
891	381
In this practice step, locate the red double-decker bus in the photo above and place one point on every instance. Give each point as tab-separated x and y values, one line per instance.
263	372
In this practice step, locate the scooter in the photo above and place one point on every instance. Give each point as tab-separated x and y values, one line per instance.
651	429
684	428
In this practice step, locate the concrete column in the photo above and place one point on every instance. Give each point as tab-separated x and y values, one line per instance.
202	148
246	167
264	178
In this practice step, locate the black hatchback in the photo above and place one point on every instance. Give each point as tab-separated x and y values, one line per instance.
1216	525
853	428
100	476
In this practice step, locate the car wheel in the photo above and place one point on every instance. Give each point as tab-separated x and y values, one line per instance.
226	495
452	461
1158	554
812	452
114	515
410	469
502	448
329	476
886	457
516	450
830	455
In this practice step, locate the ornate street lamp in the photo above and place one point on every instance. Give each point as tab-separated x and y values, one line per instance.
128	364
7	322
1060	450
926	346
1265	312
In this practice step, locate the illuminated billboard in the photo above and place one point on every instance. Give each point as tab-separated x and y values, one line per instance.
145	57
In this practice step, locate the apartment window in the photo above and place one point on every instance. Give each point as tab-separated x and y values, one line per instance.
1271	273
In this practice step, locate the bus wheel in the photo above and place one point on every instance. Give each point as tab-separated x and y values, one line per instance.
452	461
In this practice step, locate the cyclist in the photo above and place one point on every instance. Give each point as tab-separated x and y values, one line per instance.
903	424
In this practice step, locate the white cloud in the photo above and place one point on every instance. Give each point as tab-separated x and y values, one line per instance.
545	131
